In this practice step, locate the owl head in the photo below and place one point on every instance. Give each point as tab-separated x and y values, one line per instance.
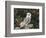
29	14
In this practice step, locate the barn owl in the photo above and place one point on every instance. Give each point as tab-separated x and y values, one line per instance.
26	20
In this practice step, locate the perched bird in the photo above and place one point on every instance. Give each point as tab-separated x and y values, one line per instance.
26	20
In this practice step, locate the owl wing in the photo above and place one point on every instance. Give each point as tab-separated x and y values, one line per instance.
27	20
